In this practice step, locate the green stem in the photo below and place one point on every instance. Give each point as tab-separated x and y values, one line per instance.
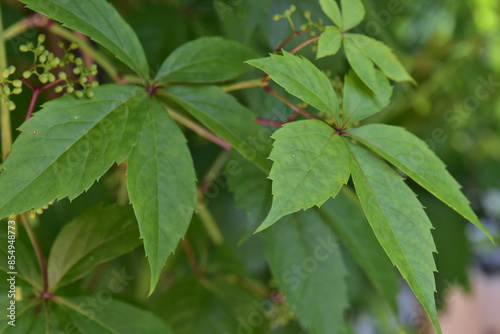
210	225
98	57
5	125
21	26
242	85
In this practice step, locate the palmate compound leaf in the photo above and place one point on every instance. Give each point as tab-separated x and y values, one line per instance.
399	222
363	51
306	261
299	77
100	21
206	60
413	157
161	184
353	13
330	42
69	144
100	234
332	10
311	163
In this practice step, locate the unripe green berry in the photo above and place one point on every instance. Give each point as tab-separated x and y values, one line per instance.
30	45
60	44
79	61
41	49
73	46
11	105
43	78
5	73
307	14
42	59
293	8
17	90
70	89
6	90
11	69
93	67
58	89
23	48
17	83
52	77
89	94
41	38
83	80
62	76
54	62
79	94
288	12
71	56
77	70
276	17
26	74
94	84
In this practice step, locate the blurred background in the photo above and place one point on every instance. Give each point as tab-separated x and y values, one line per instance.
451	48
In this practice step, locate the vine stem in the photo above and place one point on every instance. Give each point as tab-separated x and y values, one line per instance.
36	92
5	123
304	44
269	122
242	85
193	263
291	104
199	129
38	251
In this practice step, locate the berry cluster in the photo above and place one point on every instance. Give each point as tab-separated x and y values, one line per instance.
10	86
46	64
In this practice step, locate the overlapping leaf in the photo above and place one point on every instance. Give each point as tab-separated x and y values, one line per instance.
224	116
412	156
360	102
330	42
100	21
399	222
99	235
307	263
311	163
161	184
69	144
301	78
346	217
353	13
205	60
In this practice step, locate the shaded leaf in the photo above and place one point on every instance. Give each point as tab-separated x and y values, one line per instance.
100	21
100	234
300	78
162	186
307	264
399	222
353	13
345	215
330	42
206	60
69	144
115	317
360	102
226	117
311	163
412	156
361	64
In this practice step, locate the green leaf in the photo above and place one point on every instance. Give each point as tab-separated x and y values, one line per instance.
206	60
100	234
353	13
361	64
28	318
311	163
330	42
331	9
399	222
381	55
26	265
115	317
413	157
226	117
69	144
213	307
346	217
302	79
360	102
162	186
307	264
100	21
